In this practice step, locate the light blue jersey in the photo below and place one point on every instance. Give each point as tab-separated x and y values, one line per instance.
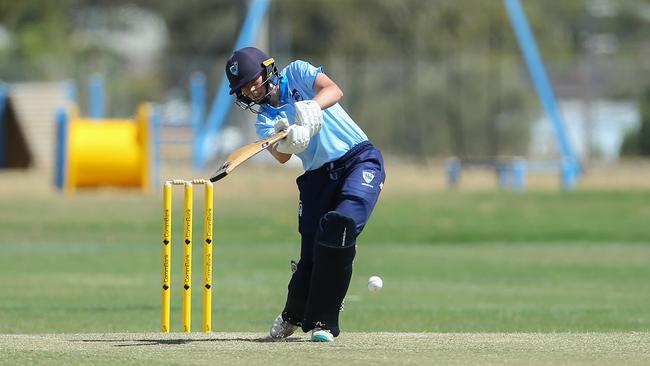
338	133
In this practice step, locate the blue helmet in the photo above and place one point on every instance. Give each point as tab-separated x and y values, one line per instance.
245	65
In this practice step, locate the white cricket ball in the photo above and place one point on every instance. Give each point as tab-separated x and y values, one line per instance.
375	283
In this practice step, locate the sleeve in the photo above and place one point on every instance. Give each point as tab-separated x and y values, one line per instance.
304	74
264	127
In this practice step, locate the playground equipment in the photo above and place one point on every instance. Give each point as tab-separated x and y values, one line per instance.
202	132
206	131
568	166
511	172
106	152
26	128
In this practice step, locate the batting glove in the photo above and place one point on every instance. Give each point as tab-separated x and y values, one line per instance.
281	125
296	141
309	114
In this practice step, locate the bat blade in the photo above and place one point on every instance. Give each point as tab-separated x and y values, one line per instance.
244	153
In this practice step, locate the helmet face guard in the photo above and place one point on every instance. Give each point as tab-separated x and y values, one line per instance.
270	73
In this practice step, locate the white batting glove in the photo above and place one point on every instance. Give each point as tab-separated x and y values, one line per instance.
309	114
296	141
281	125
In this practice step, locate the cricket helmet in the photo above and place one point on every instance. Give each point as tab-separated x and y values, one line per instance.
245	65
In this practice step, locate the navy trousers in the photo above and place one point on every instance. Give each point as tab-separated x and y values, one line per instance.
350	186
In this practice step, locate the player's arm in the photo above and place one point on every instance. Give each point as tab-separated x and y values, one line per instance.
281	157
309	113
327	92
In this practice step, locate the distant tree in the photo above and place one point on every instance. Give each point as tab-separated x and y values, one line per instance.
644	131
637	142
425	78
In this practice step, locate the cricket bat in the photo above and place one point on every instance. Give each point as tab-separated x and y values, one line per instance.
244	153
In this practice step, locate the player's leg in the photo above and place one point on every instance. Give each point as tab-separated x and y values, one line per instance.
315	193
336	242
333	255
294	308
291	317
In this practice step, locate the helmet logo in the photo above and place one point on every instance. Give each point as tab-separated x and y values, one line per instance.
234	68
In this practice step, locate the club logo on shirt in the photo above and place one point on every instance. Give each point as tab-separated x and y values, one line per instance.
368	176
234	68
296	95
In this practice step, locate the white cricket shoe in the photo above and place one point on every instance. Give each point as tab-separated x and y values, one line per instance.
282	328
321	335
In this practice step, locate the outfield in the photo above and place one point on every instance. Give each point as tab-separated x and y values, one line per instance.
470	277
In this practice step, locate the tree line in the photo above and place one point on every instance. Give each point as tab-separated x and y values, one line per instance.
424	78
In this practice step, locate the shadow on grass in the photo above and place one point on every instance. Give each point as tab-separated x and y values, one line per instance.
181	341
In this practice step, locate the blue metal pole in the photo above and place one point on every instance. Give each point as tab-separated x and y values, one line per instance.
504	175
154	128
197	112
96	96
61	147
71	91
543	87
453	172
222	100
569	173
519	174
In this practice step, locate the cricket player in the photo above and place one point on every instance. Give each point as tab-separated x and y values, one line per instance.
344	174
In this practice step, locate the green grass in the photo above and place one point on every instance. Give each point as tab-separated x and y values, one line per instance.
400	217
444	288
472	262
484	262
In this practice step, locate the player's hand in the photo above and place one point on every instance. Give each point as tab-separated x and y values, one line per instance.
296	141
281	125
309	114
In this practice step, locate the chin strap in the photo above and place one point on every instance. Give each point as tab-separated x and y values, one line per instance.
271	78
248	104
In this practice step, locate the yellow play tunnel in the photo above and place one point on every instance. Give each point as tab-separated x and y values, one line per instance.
106	152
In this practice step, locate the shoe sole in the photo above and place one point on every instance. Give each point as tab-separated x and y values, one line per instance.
321	338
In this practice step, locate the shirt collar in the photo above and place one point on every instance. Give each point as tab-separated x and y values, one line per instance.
284	90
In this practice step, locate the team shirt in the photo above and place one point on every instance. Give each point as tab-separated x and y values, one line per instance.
338	134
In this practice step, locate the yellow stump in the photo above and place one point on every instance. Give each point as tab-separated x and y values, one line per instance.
166	255
187	259
187	254
207	258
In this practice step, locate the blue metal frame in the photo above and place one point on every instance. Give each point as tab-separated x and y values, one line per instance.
512	174
205	144
571	169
